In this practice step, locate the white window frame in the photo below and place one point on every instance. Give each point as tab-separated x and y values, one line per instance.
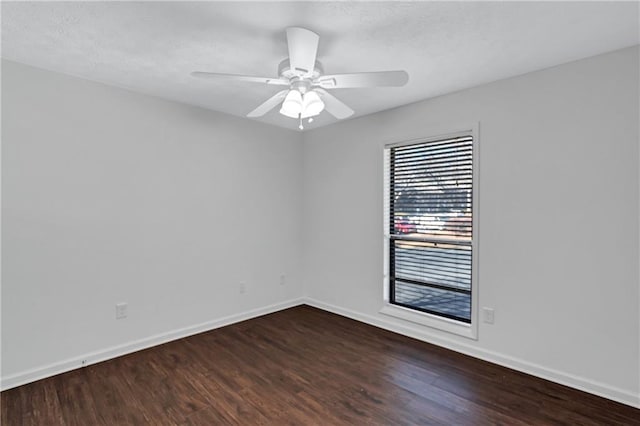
423	318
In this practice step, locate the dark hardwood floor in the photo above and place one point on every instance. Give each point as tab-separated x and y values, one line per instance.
303	366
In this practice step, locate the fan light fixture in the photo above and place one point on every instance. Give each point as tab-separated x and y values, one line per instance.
296	105
305	92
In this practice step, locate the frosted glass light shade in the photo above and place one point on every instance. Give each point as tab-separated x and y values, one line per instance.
312	105
292	105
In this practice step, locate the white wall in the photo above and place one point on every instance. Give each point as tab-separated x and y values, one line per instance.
112	196
558	220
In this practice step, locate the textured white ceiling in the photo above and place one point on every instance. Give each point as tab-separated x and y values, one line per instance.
445	46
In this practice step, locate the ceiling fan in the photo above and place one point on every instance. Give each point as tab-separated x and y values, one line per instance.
307	95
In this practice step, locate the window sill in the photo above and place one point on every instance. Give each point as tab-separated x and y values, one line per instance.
450	326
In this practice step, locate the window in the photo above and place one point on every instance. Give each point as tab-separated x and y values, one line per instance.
430	226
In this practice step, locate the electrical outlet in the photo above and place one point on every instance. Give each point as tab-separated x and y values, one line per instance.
121	310
242	287
488	315
283	279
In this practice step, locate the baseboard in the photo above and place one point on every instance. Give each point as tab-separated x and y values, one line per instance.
576	382
134	346
580	383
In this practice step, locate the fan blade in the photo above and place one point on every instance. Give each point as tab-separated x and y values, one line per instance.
363	79
247	78
269	104
303	47
334	105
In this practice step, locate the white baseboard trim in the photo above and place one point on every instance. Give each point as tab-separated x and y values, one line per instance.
38	373
580	383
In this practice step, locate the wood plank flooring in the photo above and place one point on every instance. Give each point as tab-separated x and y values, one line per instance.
303	366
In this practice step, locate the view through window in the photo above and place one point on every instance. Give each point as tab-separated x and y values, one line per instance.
430	220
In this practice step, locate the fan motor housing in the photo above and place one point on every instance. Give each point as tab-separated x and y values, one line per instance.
285	71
